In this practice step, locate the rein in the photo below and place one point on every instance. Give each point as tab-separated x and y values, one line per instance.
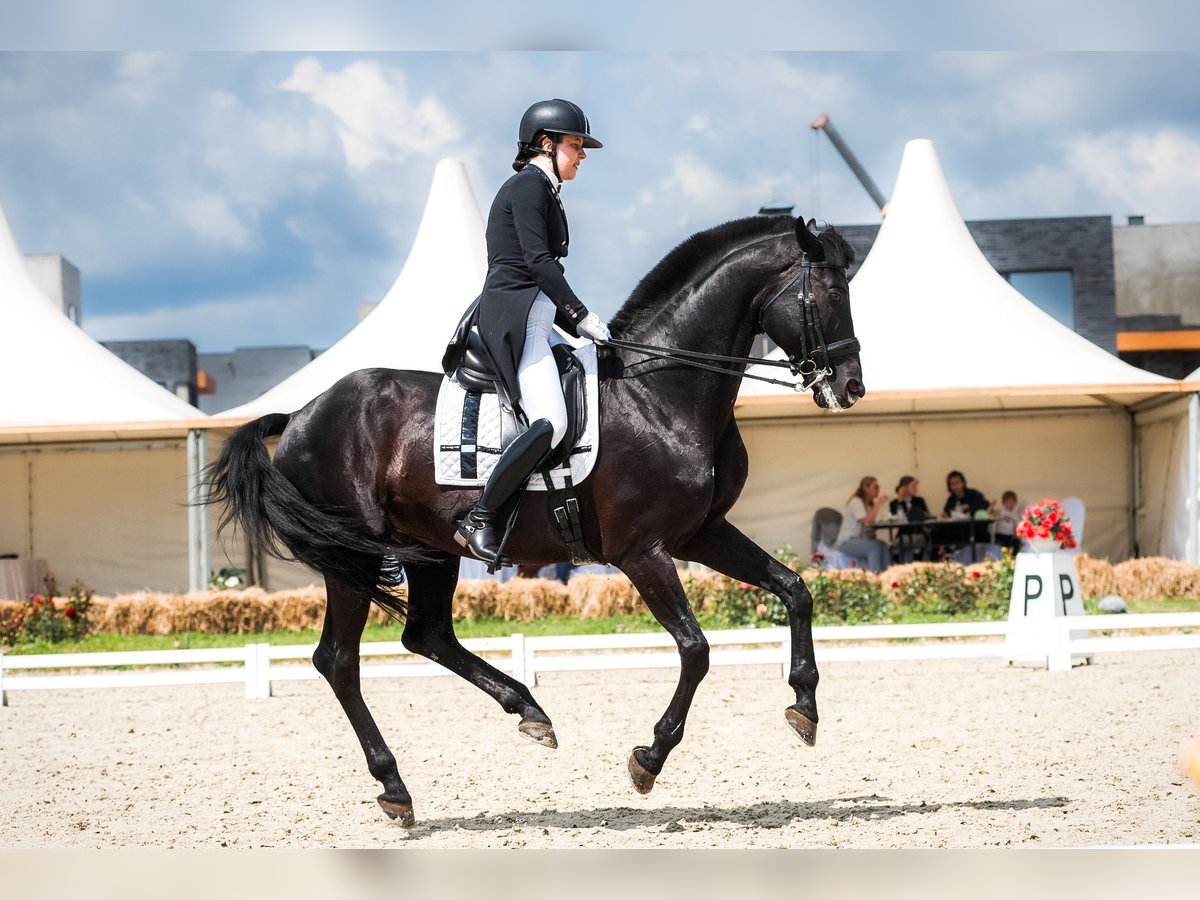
813	365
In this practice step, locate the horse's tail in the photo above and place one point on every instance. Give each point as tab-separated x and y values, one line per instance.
271	511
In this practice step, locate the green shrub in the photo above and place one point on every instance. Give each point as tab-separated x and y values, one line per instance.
846	597
853	596
949	588
839	597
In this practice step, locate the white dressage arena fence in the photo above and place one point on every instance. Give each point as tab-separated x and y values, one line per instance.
257	666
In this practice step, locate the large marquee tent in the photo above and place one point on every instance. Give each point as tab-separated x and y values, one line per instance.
94	457
962	372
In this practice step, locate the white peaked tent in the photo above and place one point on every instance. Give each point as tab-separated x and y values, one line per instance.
410	327
55	377
93	466
962	372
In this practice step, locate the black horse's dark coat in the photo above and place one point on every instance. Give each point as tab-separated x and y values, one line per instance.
352	484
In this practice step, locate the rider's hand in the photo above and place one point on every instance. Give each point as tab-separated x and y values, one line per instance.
592	327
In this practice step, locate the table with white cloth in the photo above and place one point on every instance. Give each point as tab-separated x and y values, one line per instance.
21	577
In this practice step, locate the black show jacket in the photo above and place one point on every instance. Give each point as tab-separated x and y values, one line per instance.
526	236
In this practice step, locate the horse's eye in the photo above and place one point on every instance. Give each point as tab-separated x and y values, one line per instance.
836	297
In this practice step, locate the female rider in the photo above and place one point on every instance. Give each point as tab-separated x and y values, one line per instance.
524	296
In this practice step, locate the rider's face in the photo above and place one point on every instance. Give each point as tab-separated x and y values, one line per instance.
570	155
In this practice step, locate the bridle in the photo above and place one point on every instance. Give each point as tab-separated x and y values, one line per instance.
816	354
812	365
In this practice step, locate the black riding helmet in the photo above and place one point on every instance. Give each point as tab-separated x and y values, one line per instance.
555	117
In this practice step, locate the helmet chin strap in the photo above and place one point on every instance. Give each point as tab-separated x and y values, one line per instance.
553	154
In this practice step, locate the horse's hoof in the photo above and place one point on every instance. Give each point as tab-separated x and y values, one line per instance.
802	725
643	778
401	812
541	733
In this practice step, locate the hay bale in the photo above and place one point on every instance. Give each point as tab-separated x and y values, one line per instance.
1156	578
141	612
298	610
599	596
525	599
476	599
1096	576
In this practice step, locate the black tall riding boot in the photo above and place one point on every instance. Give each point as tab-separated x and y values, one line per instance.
478	528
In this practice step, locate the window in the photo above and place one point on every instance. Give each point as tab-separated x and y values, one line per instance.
1053	292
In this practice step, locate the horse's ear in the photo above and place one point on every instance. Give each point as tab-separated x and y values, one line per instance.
808	241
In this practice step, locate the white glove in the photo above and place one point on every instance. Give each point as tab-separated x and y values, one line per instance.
592	327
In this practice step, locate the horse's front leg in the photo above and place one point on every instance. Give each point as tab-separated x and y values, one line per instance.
724	548
655	578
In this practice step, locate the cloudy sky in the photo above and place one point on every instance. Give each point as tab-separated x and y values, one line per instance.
257	198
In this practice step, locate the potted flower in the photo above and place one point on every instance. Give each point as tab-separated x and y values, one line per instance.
1046	527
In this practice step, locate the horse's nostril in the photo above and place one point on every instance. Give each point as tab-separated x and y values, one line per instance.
855	388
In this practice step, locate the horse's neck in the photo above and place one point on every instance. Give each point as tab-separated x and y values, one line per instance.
716	317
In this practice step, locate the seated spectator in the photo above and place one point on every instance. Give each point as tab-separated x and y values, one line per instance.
963	503
908	500
965	500
1008	517
909	506
856	537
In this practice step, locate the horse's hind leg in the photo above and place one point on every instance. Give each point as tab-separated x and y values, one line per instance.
337	659
731	553
429	631
655	578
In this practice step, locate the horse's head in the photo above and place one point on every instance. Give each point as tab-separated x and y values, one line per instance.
809	318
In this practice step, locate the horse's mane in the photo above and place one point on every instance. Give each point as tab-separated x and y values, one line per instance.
702	251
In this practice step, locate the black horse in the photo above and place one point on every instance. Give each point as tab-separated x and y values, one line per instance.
352	483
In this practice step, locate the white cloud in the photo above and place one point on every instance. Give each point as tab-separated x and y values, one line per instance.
212	219
1118	172
702	194
1152	174
377	120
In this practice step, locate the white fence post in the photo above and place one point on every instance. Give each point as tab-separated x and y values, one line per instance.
3	696
1058	658
787	654
251	671
522	671
262	672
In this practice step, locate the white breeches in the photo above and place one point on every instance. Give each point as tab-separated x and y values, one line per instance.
541	390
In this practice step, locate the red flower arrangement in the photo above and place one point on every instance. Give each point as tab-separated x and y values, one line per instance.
1046	521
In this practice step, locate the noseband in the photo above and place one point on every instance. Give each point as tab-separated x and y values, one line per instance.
816	354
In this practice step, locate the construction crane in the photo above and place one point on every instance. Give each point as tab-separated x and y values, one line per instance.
822	123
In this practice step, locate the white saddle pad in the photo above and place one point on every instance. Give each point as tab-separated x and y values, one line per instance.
468	428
